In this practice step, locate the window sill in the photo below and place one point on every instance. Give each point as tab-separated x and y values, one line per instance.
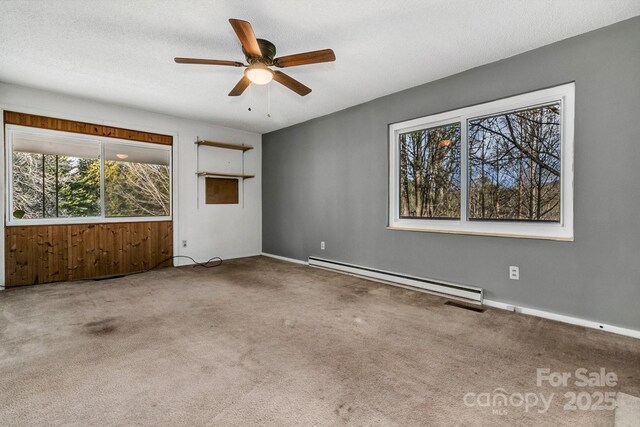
84	221
481	233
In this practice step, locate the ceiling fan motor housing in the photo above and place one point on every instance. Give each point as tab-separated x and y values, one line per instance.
268	50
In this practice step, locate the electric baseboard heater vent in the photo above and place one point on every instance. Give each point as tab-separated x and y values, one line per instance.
465	292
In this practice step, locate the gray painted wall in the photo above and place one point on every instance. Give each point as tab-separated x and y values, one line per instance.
326	179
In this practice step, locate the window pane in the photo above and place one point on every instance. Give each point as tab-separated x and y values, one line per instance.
137	181
514	165
55	177
430	173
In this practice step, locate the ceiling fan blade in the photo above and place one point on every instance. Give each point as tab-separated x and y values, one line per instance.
291	83
325	55
240	87
208	62
247	38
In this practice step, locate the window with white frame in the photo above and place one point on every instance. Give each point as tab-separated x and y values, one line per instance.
58	177
502	168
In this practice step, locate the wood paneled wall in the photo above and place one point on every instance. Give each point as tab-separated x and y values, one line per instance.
51	253
43	122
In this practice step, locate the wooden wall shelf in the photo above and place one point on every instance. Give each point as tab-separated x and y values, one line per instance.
226	175
226	145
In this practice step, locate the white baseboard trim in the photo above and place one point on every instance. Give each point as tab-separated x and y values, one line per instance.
183	262
563	318
627	410
500	305
284	258
237	256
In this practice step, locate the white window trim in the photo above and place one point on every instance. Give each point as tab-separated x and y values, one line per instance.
563	230
10	221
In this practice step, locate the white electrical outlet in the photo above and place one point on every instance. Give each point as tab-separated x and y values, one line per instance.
184	243
322	246
514	272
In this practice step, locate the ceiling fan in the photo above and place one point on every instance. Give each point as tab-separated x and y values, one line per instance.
260	56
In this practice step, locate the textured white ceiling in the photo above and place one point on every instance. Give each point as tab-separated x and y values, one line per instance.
121	51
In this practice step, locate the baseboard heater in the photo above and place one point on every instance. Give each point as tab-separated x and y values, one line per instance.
469	293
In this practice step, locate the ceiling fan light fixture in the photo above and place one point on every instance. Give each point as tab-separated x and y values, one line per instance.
259	74
260	55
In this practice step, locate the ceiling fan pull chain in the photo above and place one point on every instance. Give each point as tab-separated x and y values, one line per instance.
250	96
269	100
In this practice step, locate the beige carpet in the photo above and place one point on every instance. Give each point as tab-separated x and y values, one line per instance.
264	342
627	410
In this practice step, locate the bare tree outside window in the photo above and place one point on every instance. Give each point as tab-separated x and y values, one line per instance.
500	168
514	165
136	181
60	177
136	189
430	173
